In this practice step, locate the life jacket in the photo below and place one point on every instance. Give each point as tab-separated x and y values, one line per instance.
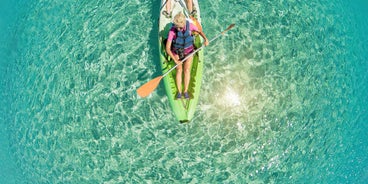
183	40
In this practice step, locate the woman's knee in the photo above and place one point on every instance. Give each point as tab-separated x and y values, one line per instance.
187	71
179	69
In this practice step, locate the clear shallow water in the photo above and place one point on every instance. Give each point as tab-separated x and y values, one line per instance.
288	104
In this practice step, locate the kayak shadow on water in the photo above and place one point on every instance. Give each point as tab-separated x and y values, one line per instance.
154	46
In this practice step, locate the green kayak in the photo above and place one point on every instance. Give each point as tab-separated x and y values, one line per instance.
184	109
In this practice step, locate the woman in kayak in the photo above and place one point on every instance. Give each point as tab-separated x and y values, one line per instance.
180	44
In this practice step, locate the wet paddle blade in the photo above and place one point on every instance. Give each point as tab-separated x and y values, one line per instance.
150	86
228	28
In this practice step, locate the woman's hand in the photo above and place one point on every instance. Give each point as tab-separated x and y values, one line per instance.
206	42
177	61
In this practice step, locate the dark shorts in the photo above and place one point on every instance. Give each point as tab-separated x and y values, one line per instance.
186	51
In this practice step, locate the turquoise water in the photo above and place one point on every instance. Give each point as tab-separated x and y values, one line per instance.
284	96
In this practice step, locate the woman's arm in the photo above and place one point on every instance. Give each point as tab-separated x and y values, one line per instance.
168	50
204	37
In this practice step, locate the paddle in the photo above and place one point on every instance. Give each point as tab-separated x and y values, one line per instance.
151	85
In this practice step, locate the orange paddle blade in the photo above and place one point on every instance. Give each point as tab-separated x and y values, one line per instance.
147	88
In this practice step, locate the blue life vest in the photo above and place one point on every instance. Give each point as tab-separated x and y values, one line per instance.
183	40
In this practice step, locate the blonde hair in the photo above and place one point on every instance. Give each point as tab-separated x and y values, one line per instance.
179	20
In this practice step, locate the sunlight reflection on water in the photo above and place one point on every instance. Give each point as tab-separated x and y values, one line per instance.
231	97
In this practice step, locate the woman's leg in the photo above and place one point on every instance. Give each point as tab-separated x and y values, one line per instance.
187	65
179	74
190	5
168	6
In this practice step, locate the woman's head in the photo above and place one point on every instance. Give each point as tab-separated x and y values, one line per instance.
179	20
